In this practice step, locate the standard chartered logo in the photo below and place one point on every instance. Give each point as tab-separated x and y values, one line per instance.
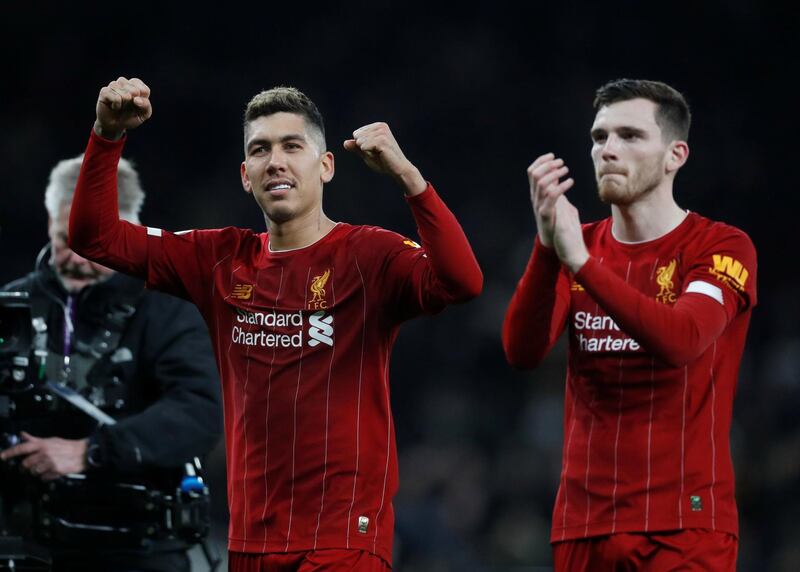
282	329
614	340
320	329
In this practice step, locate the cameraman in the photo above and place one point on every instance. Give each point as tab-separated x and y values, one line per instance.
142	357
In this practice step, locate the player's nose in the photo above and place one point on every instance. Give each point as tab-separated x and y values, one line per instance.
277	161
610	147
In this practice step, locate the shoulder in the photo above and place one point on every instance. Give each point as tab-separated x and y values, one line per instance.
216	244
375	237
723	254
592	230
708	235
225	235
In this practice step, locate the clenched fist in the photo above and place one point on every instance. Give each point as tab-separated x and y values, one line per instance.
122	104
376	145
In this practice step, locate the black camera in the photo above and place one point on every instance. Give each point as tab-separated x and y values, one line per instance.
75	509
16	366
16	339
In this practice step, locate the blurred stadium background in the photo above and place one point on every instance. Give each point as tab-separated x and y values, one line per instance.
473	95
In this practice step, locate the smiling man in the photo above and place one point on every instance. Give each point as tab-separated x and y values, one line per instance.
657	301
303	319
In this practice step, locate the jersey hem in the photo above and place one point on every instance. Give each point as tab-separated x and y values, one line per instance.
259	547
560	534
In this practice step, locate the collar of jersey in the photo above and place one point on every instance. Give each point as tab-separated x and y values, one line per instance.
288	250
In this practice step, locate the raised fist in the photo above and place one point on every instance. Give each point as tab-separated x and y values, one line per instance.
376	145
123	104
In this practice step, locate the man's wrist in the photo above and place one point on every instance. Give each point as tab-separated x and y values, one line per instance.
575	264
544	240
105	133
412	181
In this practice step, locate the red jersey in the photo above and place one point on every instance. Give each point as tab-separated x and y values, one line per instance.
656	333
303	340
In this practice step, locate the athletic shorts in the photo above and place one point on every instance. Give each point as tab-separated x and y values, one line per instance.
330	560
687	550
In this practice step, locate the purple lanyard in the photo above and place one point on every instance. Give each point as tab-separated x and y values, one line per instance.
69	319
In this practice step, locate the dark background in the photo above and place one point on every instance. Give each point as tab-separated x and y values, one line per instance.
473	95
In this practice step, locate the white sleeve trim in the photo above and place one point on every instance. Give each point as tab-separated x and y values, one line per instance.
153	231
700	287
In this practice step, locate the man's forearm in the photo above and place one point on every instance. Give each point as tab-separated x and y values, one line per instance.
451	258
537	313
95	230
674	334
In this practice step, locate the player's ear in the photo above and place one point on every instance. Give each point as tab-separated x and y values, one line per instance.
248	188
326	167
677	155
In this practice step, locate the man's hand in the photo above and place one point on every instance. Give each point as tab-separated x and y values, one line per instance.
543	176
377	146
568	236
49	458
122	104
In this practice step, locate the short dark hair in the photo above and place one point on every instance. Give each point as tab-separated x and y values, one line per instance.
672	110
285	99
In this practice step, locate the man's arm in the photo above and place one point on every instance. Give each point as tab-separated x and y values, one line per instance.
448	271
676	334
95	230
538	310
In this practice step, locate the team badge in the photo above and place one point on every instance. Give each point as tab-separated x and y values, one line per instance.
664	274
317	290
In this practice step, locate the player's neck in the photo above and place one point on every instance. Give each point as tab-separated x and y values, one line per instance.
299	232
649	218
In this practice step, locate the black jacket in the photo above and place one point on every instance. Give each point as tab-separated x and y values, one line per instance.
162	381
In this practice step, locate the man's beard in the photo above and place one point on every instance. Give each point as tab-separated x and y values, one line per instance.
615	192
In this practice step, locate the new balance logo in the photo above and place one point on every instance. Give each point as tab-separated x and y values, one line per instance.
320	329
242	291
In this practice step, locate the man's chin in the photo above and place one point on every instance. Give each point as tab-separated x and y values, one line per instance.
612	193
609	193
279	215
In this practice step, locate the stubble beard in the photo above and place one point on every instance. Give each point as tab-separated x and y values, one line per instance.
622	193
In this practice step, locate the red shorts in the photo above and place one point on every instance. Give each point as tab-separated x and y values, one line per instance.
685	550
333	560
